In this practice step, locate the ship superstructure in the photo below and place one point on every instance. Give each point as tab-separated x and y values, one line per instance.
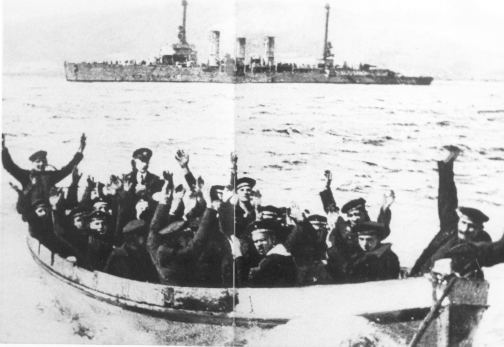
182	66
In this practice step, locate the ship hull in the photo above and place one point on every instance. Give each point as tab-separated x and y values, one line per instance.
102	72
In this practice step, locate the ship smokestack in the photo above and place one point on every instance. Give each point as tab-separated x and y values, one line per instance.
325	53
269	50
240	48
214	48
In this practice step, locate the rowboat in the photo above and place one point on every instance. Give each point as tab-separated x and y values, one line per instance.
399	307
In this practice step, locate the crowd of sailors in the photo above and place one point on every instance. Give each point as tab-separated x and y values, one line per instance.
148	228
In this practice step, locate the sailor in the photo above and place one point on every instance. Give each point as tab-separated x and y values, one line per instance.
99	243
457	224
131	260
140	177
244	211
354	212
306	243
39	219
276	267
38	181
485	253
73	229
183	258
375	261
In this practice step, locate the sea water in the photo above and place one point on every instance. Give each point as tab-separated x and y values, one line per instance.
372	138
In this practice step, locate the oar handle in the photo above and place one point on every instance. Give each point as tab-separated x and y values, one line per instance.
432	314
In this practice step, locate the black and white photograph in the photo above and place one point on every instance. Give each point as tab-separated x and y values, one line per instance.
252	172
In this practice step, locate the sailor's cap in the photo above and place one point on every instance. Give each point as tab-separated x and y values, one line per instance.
39	155
98	215
263	226
215	191
370	228
78	211
317	220
475	215
144	154
40	202
269	212
359	204
244	182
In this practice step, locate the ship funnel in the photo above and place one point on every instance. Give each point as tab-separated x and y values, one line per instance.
269	50
214	48
240	48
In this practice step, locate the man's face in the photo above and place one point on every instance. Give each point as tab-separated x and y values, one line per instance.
98	225
38	165
354	216
78	222
467	230
141	165
368	242
244	193
41	211
262	242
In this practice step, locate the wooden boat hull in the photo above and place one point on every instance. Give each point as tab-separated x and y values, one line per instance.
398	305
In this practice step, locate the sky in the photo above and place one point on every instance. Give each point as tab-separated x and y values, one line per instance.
456	39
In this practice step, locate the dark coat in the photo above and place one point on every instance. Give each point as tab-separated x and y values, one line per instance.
38	183
153	183
242	220
343	227
446	238
97	252
277	269
134	264
203	261
377	265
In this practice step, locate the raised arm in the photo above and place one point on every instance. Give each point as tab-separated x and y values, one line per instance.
183	160
447	191
234	170
385	215
19	174
326	195
67	169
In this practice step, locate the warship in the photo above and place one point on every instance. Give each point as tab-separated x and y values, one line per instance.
183	66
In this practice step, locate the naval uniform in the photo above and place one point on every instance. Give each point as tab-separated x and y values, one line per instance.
447	237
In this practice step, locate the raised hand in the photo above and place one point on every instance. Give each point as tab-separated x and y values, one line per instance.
234	160
82	142
168	186
328	178
126	183
256	198
114	184
182	158
296	213
453	153
388	199
55	197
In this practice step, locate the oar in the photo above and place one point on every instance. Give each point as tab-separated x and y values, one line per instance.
432	314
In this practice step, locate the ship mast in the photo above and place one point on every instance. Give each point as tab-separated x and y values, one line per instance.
183	28
326	51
